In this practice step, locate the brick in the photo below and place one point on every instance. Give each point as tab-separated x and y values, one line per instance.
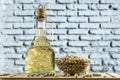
99	7
51	13
5	6
6	1
5	13
69	37
14	69
10	7
116	31
56	19
66	1
78	31
1	40
88	13
24	13
116	68
45	1
100	55
29	6
2	54
67	25
12	44
67	13
111	62
12	32
100	43
74	7
82	7
110	13
12	19
88	1
17	7
100	19
89	25
83	55
115	55
24	1
52	37
7	26
60	55
55	7
6	62
8	38
114	6
24	25
112	49
116	43
77	19
29	31
90	37
58	43
96	62
1	26
78	43
109	1
106	13
51	25
92	49
20	62
100	31
71	7
111	37
72	50
27	43
13	56
57	31
28	19
24	37
100	68
103	7
115	19
110	25
8	51
21	50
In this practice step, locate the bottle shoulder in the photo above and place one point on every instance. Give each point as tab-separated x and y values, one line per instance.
38	48
40	41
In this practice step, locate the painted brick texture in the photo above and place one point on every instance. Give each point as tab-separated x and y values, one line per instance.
88	28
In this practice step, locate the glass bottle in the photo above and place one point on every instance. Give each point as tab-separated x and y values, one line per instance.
40	56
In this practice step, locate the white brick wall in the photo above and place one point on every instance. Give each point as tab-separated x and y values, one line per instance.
68	25
78	19
88	13
78	43
78	31
66	1
100	31
88	28
99	19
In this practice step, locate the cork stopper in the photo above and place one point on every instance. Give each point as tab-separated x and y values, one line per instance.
40	13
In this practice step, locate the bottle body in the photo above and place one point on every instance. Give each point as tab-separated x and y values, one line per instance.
40	60
40	57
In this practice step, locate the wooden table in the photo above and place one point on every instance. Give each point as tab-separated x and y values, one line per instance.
22	76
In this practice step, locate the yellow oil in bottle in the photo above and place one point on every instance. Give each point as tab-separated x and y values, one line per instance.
40	56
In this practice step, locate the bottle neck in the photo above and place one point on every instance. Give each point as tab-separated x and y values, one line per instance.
40	33
40	38
41	24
